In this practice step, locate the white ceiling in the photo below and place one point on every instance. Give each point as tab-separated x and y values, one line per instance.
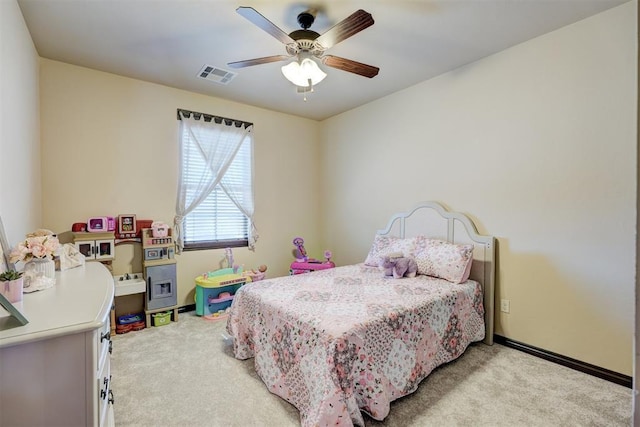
169	41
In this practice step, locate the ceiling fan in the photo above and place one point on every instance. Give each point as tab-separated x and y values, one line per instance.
306	44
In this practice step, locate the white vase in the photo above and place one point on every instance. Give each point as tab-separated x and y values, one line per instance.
39	273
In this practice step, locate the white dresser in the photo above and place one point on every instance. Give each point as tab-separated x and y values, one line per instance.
55	370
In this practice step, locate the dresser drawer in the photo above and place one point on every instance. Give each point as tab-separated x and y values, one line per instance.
104	392
104	343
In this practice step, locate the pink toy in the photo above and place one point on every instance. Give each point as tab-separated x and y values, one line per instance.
99	224
159	229
304	264
301	252
305	267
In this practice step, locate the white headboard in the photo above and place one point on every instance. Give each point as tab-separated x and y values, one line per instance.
434	220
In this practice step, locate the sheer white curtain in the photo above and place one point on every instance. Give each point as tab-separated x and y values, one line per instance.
218	144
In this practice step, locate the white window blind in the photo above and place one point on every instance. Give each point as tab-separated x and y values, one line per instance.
216	222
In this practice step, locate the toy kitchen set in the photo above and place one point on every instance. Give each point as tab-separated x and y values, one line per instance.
159	264
157	283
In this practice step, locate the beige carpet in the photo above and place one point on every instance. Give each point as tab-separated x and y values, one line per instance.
184	374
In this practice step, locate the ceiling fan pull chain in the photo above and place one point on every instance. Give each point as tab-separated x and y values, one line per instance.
309	88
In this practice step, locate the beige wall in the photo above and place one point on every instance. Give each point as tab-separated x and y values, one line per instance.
20	204
536	143
110	145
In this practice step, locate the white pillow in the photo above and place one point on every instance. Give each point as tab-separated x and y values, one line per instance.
442	259
386	245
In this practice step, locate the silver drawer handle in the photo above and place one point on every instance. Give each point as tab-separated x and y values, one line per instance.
111	400
103	392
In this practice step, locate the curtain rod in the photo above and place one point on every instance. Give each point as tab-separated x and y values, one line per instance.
209	117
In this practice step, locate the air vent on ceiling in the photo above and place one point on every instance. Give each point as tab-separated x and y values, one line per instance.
215	74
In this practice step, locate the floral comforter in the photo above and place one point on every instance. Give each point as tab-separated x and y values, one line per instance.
338	341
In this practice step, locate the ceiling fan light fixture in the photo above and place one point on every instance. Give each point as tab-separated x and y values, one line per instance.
304	73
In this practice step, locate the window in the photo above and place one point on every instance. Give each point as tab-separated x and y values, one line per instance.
215	196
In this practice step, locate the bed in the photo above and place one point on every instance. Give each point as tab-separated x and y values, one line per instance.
339	342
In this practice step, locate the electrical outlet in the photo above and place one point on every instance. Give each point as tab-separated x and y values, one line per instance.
505	305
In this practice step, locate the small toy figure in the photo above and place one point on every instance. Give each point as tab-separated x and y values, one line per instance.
301	252
229	261
255	275
228	253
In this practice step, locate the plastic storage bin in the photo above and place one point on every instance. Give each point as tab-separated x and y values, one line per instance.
130	322
161	319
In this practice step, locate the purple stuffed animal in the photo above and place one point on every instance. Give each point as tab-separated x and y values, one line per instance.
399	267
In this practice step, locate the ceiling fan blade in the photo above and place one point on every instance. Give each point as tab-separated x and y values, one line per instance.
350	66
257	19
358	21
258	61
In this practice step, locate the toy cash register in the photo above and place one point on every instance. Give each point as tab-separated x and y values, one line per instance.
304	264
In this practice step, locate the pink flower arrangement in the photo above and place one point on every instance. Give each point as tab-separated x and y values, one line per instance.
39	244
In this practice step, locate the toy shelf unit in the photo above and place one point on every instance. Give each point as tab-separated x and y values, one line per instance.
158	249
159	266
215	291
